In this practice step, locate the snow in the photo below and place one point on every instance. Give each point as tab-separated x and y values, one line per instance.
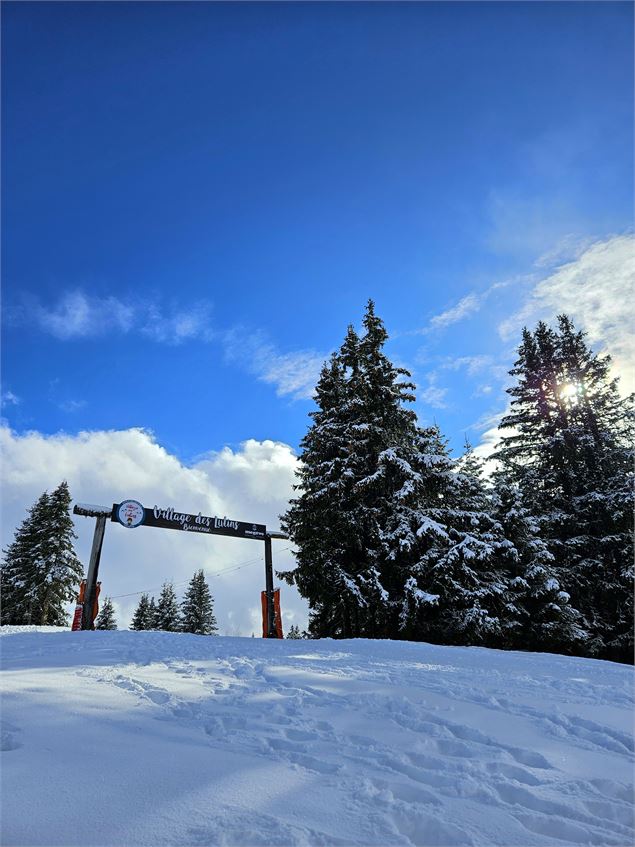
149	738
90	510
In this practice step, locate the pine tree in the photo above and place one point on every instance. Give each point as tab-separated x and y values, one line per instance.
20	603
459	569
106	617
59	571
143	618
570	453
167	617
387	546
412	524
538	614
317	519
41	572
360	426
197	608
152	614
294	632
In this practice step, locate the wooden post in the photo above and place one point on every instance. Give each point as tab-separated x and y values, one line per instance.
271	625
93	572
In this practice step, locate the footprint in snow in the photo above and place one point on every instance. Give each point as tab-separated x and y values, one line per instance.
9	737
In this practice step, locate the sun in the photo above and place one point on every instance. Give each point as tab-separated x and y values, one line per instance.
570	392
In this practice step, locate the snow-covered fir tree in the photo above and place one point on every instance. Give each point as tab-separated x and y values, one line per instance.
457	571
59	569
538	614
567	444
314	520
152	613
106	617
143	617
41	571
395	539
18	574
391	541
336	521
168	616
294	632
197	608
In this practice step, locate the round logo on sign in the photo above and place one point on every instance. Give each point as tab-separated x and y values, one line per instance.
130	513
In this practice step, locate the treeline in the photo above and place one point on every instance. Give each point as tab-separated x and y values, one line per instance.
40	571
195	614
396	539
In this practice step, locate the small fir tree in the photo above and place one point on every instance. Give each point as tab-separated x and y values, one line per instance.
294	632
106	617
142	618
20	603
59	569
167	616
41	572
152	613
197	608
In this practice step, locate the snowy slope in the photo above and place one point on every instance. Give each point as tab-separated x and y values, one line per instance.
116	738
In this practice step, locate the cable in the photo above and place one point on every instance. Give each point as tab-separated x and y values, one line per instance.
230	569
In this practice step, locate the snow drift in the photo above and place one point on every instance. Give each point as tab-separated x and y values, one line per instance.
150	738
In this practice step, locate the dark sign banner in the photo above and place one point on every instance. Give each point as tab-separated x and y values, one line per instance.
130	513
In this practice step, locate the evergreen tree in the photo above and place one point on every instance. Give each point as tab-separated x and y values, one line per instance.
58	570
360	426
570	453
538	614
106	617
167	616
197	608
294	632
19	583
152	614
387	546
143	618
459	572
41	572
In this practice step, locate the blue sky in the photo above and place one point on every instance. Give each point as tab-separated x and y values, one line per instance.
198	198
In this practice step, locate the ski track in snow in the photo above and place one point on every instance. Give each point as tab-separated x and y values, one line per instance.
176	739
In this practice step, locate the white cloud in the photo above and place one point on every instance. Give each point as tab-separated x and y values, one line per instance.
597	291
483	390
293	374
79	315
10	399
567	249
472	364
252	483
178	326
466	306
479	364
486	446
434	395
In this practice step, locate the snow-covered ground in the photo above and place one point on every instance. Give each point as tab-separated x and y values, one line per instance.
125	738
